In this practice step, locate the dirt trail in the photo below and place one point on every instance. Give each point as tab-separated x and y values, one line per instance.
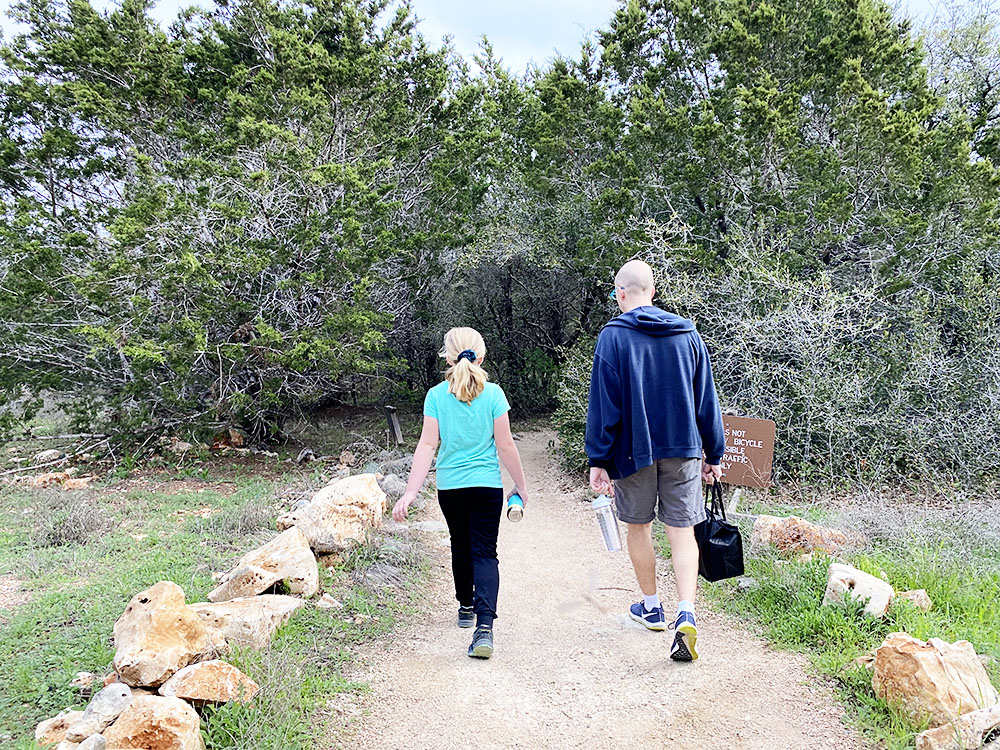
570	669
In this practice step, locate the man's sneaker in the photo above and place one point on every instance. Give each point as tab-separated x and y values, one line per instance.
466	617
653	619
482	643
685	638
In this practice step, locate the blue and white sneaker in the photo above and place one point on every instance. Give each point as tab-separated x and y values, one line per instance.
482	643
685	638
466	617
653	619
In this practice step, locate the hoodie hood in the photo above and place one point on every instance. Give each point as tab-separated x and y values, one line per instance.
653	322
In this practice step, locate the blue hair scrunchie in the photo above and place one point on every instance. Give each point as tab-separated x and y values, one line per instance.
467	354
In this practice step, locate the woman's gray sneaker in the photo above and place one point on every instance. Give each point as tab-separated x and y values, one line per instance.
482	643
466	617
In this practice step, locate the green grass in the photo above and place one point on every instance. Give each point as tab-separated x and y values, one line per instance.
82	555
786	608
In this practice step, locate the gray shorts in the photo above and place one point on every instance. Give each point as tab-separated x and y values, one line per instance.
671	487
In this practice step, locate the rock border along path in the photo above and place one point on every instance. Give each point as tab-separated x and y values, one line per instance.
570	669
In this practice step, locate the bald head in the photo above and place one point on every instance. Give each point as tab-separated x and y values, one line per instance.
636	277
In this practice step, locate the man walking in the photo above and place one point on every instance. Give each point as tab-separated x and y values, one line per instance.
654	427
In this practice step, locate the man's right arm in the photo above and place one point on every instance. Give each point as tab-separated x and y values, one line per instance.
603	412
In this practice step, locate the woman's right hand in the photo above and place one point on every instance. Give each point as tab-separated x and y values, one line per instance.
402	505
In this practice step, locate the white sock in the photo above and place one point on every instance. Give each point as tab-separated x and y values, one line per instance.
685	606
651	602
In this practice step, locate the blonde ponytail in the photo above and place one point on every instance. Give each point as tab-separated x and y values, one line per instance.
466	378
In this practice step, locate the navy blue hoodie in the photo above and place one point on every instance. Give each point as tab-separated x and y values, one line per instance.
651	394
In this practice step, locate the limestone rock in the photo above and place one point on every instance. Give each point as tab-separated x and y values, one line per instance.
932	680
340	513
248	621
287	558
101	712
843	580
179	447
67	745
328	602
93	742
48	479
796	535
45	456
52	731
210	682
85	681
965	733
395	462
919	598
157	635
154	722
393	486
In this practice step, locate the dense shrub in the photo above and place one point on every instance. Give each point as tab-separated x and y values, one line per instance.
863	385
274	206
192	220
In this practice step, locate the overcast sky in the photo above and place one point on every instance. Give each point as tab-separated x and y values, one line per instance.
520	30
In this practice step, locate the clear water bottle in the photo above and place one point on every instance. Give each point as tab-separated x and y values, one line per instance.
515	508
607	522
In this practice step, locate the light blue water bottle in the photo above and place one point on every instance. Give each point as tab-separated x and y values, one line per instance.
515	508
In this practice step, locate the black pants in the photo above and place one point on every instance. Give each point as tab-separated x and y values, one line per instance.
473	516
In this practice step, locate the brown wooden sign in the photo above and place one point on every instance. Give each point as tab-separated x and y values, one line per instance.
749	451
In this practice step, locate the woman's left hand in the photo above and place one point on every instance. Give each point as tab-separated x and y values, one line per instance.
520	493
401	507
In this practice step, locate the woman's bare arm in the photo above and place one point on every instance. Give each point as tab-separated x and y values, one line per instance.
422	458
507	451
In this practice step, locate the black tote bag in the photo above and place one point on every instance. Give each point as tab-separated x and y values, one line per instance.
720	545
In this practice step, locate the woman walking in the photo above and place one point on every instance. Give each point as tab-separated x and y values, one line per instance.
468	416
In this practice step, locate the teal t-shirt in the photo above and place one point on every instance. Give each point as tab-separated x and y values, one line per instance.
468	453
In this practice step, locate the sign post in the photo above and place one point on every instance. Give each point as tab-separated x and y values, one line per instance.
749	455
395	433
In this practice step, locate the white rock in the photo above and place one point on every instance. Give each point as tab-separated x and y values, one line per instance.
933	680
53	730
93	742
919	598
845	580
340	514
287	558
101	712
210	682
45	456
153	722
157	635
965	733
328	602
393	486
250	621
85	680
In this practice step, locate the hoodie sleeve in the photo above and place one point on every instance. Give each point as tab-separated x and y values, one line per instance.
604	412
706	406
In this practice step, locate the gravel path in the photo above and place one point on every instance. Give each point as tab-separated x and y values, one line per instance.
570	669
